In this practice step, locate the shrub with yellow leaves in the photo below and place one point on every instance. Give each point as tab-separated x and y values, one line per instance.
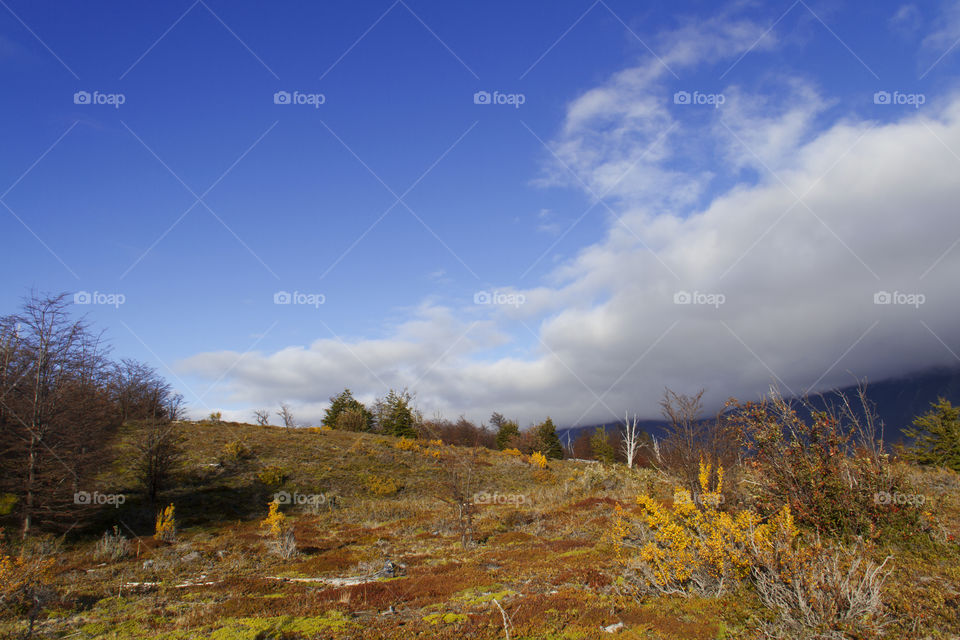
166	525
283	542
406	444
691	546
538	460
24	585
380	485
512	452
275	520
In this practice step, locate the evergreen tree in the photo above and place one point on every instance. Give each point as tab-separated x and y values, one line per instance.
602	449
346	412
550	445
936	436
507	430
396	416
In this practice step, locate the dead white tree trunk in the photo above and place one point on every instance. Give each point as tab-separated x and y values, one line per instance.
630	443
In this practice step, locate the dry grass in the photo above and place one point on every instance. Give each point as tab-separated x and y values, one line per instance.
544	559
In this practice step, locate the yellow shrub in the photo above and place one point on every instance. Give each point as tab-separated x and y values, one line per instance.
270	476
538	460
381	486
435	443
405	444
699	548
512	452
166	526
22	579
275	520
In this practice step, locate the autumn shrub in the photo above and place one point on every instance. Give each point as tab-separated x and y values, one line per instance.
538	460
166	525
380	485
234	453
693	547
282	540
271	476
828	468
406	444
25	586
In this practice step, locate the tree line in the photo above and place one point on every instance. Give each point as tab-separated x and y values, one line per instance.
62	400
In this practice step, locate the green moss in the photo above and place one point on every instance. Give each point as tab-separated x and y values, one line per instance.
281	627
445	618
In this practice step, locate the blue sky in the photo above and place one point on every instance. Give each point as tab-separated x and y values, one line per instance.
396	201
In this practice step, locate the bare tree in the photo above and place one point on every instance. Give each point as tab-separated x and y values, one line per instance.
459	484
690	439
158	451
286	416
262	416
54	412
630	442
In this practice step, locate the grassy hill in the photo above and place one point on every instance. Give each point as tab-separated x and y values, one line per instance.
380	554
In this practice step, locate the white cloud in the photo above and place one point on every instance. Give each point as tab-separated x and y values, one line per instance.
878	210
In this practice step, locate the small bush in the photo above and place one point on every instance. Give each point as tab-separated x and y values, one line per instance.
380	485
512	452
234	453
827	468
112	546
836	592
538	460
166	525
691	548
406	444
271	476
283	542
25	586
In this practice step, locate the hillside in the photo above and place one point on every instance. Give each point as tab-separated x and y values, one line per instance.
379	552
